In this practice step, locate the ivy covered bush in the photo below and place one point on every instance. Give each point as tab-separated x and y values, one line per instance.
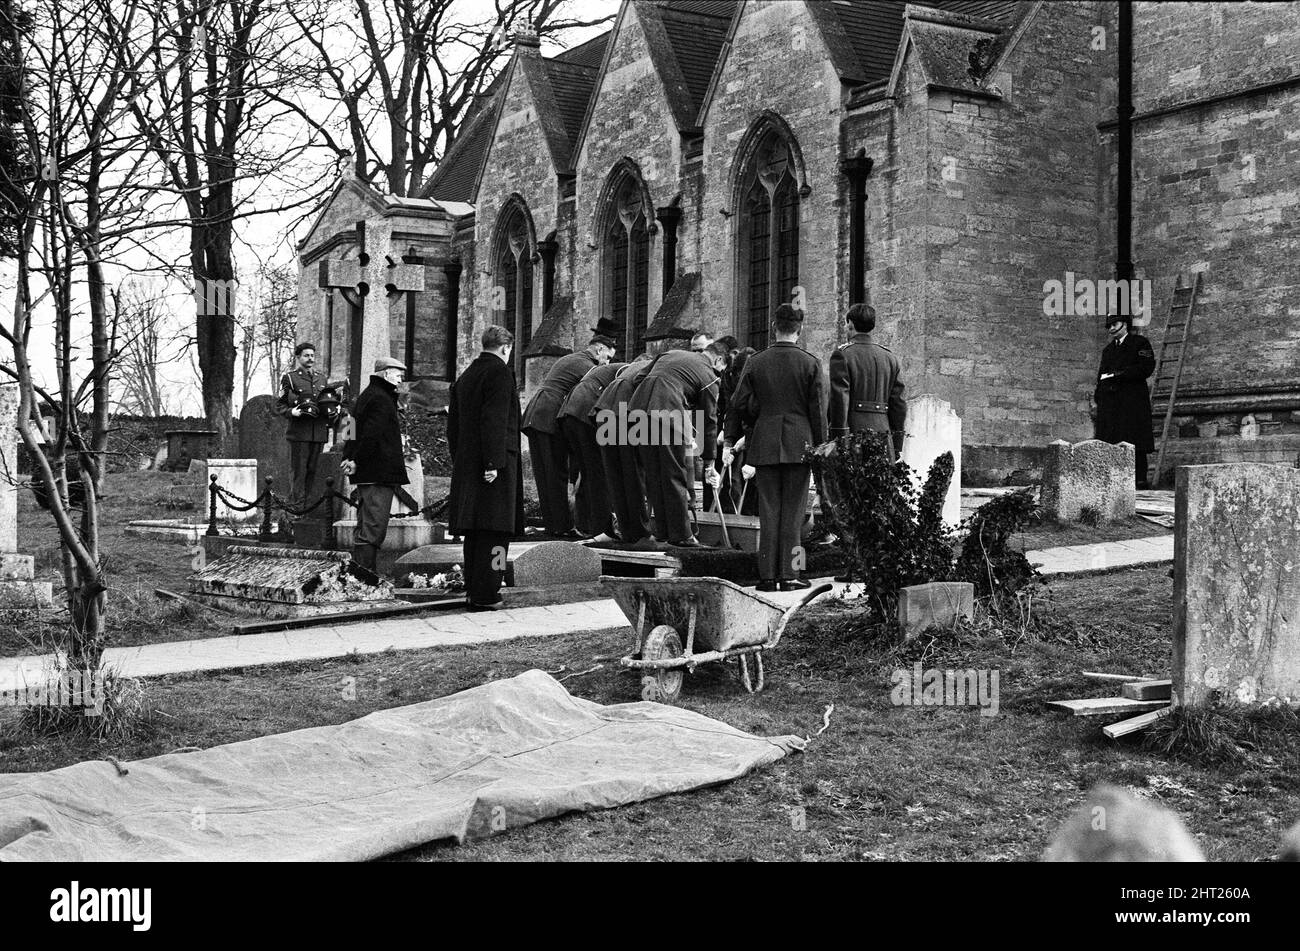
998	571
892	536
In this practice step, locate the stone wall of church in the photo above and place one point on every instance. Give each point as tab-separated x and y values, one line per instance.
518	163
1011	202
631	119
777	63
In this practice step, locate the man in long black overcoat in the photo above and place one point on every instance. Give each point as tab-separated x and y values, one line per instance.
1123	400
487	487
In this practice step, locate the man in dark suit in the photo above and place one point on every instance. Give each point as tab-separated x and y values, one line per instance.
373	458
781	395
487	486
624	478
546	445
866	393
1123	400
679	385
591	504
308	430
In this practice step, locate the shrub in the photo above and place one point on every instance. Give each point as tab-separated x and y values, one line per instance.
892	537
987	560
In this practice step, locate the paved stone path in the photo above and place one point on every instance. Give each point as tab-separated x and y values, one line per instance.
446	629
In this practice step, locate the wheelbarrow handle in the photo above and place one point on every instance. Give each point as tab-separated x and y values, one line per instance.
790	612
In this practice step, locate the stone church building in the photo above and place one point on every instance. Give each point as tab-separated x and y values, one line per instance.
705	160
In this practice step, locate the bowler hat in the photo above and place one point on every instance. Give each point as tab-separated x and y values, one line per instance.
606	328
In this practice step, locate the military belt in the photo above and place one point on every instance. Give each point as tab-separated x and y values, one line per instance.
862	406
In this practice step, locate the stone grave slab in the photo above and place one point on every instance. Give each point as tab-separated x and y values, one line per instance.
936	604
288	582
1236	584
933	429
1089	480
556	563
18	584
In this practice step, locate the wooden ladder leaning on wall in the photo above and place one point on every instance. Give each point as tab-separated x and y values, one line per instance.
1174	349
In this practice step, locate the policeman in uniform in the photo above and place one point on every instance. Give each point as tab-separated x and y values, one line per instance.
1123	400
866	393
300	390
546	445
781	395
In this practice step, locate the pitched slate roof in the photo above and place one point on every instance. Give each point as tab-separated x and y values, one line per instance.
696	33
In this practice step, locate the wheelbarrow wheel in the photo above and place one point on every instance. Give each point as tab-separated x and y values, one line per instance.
663	685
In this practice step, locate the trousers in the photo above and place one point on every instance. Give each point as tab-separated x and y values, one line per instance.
486	556
550	457
372	522
303	459
782	504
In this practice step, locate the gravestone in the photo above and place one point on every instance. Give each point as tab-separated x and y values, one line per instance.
1088	481
309	530
933	429
17	571
237	476
261	437
1236	583
186	445
287	582
556	563
414	485
935	604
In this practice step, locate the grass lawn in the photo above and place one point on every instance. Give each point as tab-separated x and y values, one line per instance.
882	782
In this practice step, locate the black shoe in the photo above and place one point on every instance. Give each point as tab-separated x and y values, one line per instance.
794	584
689	543
573	535
475	606
766	586
844	579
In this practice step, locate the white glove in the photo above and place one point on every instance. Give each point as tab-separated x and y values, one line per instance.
296	411
711	476
740	444
748	471
728	457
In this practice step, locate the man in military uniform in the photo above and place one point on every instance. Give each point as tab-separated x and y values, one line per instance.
679	383
866	393
782	396
1123	400
591	505
546	446
300	389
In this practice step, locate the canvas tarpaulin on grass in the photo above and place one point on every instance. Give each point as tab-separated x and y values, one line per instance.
475	763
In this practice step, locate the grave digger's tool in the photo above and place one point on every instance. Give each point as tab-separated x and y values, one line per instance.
722	519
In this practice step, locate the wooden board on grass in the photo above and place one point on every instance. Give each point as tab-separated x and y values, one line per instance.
1103	706
1147	689
1134	724
1117	678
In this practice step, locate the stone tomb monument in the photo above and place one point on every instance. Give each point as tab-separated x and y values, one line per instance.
556	563
17	571
933	429
1237	583
288	582
1090	479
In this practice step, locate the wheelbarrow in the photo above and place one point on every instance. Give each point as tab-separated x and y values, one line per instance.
719	616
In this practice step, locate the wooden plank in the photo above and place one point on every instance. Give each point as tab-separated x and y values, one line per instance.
1104	706
1120	678
1134	724
1147	689
347	617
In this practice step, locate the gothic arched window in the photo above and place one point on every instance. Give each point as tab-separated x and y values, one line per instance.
515	280
627	269
769	238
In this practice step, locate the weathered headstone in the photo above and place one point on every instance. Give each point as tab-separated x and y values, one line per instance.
1236	583
936	604
414	485
261	437
556	563
236	476
287	582
186	445
309	531
17	571
933	429
1088	481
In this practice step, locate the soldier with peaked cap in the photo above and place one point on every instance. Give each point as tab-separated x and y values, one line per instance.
624	479
782	396
866	392
591	504
309	428
679	384
1123	400
546	445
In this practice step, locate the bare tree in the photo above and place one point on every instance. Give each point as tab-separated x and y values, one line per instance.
138	316
405	73
211	111
76	211
277	319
